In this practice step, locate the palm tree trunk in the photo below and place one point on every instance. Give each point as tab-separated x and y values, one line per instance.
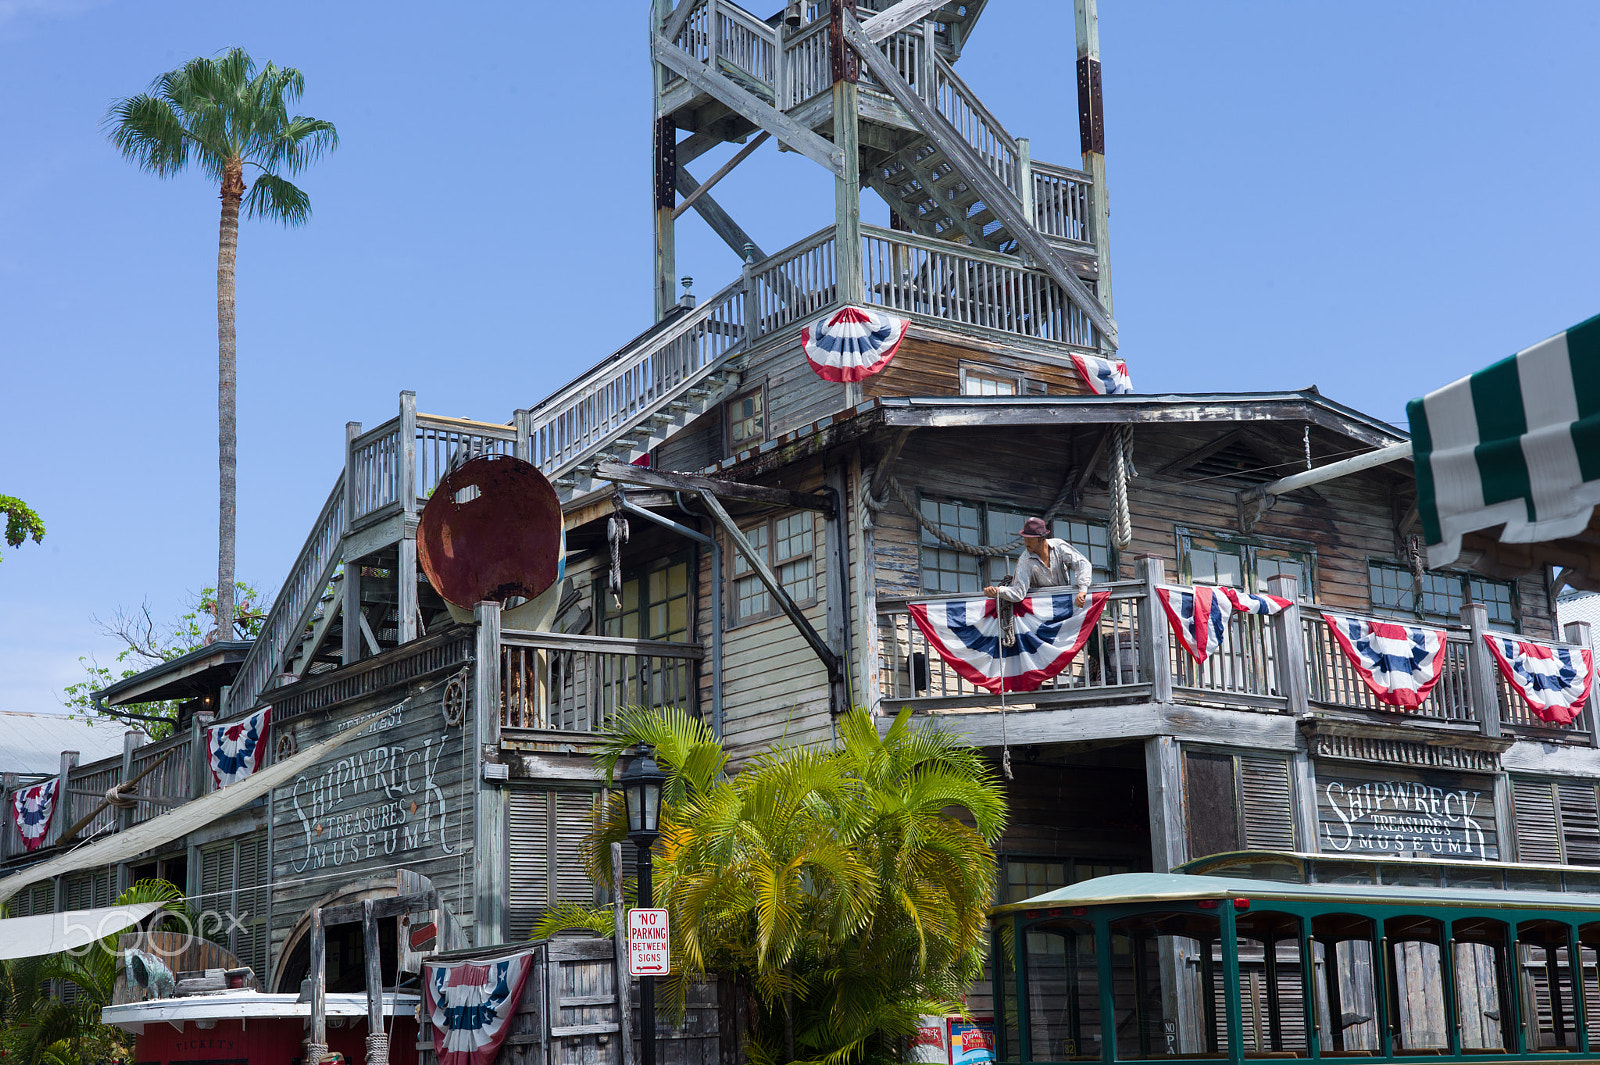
227	389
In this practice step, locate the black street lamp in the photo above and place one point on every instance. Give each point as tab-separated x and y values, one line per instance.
641	795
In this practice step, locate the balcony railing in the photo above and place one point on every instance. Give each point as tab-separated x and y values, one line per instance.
562	683
1289	664
912	672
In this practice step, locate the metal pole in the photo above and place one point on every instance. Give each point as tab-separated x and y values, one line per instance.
647	984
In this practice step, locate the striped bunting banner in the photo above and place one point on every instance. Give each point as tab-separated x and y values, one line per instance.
1515	444
1553	681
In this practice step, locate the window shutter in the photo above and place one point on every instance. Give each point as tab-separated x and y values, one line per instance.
1538	839
1211	803
1268	803
1580	823
527	819
250	942
574	819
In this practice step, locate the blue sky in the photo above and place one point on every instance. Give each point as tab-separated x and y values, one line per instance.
1373	199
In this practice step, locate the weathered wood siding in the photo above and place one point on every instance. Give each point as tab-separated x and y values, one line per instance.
774	688
400	795
929	364
1348	521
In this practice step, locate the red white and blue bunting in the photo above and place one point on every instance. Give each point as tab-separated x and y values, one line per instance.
239	749
1553	681
1105	377
1051	630
33	807
470	1006
852	343
1400	663
1214	606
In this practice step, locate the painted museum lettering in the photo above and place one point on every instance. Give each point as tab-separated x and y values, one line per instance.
375	803
1442	818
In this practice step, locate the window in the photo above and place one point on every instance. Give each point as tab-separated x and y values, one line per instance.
1025	877
1557	822
1240	562
947	570
989	382
747	420
788	546
655	603
545	830
1439	596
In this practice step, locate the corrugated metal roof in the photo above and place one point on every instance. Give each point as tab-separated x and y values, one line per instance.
31	744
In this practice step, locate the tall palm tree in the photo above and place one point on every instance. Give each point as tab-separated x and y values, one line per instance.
223	116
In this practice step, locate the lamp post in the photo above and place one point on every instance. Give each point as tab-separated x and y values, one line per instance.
641	795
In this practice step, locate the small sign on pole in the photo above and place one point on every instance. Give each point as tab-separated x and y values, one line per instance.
649	943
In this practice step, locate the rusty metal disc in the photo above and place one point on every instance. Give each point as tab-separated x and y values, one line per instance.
491	530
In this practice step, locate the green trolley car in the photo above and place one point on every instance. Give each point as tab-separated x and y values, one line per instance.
1267	955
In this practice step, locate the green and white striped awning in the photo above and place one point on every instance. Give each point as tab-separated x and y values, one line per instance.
1516	444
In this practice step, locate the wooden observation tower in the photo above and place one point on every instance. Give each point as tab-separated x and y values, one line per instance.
867	89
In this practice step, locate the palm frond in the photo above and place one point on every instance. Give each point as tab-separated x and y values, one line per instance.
274	198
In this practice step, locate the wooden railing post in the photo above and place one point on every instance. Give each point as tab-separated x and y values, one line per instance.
199	757
522	426
1025	181
1288	634
132	740
1155	656
488	910
406	605
61	816
752	299
352	482
1481	687
1579	634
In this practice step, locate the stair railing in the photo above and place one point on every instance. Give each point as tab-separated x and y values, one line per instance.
629	387
806	67
976	125
1061	199
291	610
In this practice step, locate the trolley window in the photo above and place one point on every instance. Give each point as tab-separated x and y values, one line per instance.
1346	999
1168	986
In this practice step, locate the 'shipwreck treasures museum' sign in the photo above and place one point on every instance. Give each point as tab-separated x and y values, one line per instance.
1370	813
398	795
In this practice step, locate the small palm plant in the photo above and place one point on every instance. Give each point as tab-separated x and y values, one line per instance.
837	883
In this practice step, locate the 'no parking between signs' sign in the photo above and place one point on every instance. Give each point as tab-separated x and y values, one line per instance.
649	943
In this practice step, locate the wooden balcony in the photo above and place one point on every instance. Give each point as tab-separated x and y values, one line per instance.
1284	665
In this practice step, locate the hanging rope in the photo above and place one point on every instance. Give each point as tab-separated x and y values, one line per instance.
377	1048
617	535
1121	471
945	538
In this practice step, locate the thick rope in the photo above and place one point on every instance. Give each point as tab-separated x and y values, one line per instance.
944	537
1121	470
617	534
315	1052
377	1048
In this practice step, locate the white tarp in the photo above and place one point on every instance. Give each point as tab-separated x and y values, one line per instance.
51	933
132	842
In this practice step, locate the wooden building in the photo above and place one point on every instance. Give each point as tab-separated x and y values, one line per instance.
784	522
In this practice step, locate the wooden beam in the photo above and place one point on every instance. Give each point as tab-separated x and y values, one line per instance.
672	25
723	171
882	468
714	83
720	221
892	20
778	592
997	197
687	482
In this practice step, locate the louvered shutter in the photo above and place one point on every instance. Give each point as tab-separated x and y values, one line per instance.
528	824
1268	803
1580	824
1538	839
250	900
574	820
